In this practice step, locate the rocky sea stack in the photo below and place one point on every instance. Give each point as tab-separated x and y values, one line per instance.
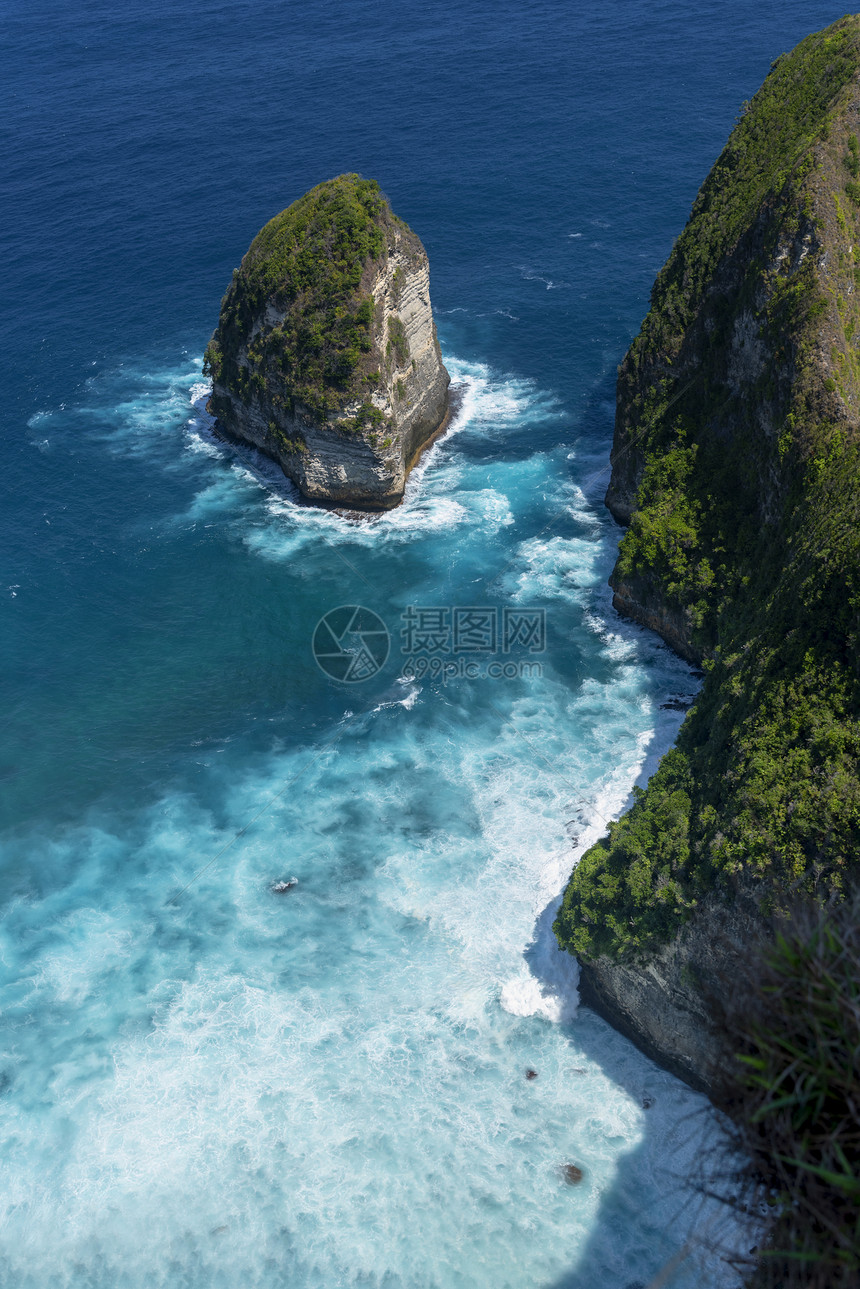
325	356
736	467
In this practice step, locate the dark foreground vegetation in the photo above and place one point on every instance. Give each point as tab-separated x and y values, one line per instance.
794	1019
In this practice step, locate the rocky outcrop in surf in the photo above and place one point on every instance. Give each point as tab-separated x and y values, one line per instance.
736	466
326	356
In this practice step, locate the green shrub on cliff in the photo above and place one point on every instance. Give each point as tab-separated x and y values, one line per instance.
630	889
398	343
764	778
742	399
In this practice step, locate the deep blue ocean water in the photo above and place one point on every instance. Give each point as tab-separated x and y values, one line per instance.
204	1083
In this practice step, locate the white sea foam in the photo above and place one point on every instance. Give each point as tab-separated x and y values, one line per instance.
199	393
276	1085
407	703
436	499
551	285
204	444
554	567
142	412
148	412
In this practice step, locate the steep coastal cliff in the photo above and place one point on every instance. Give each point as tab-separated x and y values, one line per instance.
326	355
736	465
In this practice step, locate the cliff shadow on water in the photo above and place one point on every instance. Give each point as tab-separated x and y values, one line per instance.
693	1233
696	1237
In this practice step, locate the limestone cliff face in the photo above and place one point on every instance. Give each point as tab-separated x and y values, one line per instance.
326	355
736	470
643	599
664	1002
721	390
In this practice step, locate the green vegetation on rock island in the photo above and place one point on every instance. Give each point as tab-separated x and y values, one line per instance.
326	355
310	259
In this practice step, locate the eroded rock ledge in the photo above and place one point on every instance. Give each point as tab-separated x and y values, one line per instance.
326	356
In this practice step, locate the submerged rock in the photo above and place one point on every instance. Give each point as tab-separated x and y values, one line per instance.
325	355
281	888
572	1174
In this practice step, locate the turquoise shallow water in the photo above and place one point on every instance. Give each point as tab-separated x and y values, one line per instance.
329	1086
205	1083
